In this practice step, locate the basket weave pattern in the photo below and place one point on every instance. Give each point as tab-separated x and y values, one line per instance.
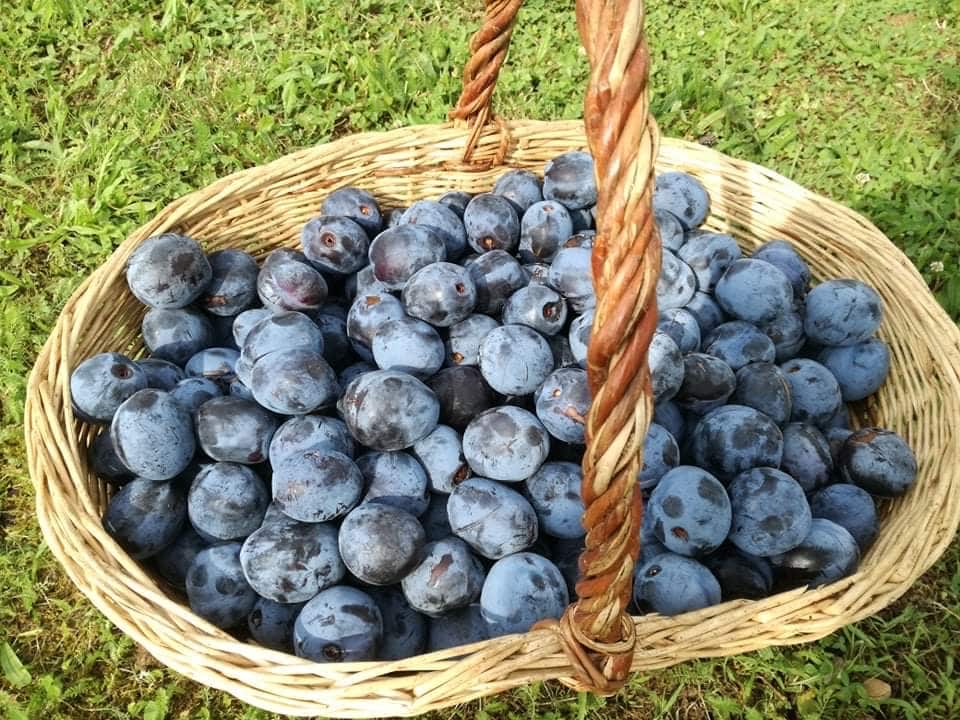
264	208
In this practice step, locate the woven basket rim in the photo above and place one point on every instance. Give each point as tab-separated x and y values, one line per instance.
58	470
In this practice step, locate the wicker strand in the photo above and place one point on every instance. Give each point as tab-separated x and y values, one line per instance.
488	50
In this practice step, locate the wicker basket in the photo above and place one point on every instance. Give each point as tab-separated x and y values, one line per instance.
595	646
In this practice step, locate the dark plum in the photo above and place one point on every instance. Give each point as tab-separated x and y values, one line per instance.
233	285
496	276
806	456
216	588
192	392
669	416
367	313
505	443
153	435
456	200
671	230
363	283
389	410
741	575
102	383
739	343
168	271
356	204
850	507
538	307
316	485
448	577
404	629
782	254
145	517
231	429
491	518
707	384
462	394
176	334
337	349
827	554
554	492
441	294
521	590
569	179
340	624
492	223
786	331
562	404
227	502
705	309
289	562
677	284
105	462
380	544
395	478
294	382
764	387
175	559
463	626
442	219
667	366
161	374
287	281
879	461
271	624
770	512
397	253
682	327
352	372
335	244
279	331
435	522
734	438
842	312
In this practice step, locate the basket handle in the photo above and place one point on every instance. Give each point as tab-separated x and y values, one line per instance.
597	633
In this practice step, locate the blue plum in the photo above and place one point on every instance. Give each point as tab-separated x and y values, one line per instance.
571	275
310	432
579	337
289	562
667	367
443	220
404	629
505	443
755	291
153	435
462	346
395	478
806	456
827	554
102	383
105	462
226	502
740	574
161	374
380	544
786	332
562	404
850	507
397	253
176	334
491	518
842	312
356	204
683	328
683	196
739	343
287	281
554	492
771	514
192	392
764	387
216	588
435	522
216	364
231	429
233	284
538	307
284	330
389	410
660	455
690	511
705	309
367	313
448	577
569	179
340	624
515	359
860	369
335	244
408	345
879	461
175	559
544	228
813	389
168	271
668	415
707	383
672	584
316	485
441	454
243	323
337	348
441	294
496	276
145	517
271	624
456	200
709	255
782	254
677	283
521	590
492	223
521	187
463	626
671	230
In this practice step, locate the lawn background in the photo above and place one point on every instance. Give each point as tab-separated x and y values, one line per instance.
109	109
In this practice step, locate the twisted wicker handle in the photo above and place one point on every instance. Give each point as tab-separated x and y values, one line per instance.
597	634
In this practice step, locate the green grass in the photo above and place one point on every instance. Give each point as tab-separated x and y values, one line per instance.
109	110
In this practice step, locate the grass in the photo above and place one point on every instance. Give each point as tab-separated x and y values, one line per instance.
110	109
